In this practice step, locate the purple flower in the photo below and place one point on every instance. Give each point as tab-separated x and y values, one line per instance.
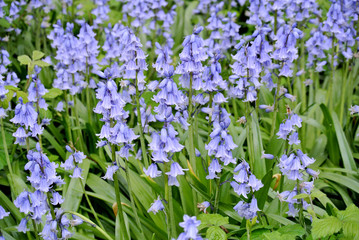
110	171
156	206
3	213
152	171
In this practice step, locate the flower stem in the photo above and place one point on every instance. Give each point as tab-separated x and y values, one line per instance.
80	138
216	198
92	223
88	96
343	92
142	137
134	209
274	119
118	197
192	156
170	213
91	207
303	90
67	119
5	147
35	229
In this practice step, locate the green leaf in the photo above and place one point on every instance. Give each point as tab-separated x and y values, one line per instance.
292	230
325	227
36	55
23	95
24	59
41	63
348	182
212	219
350	220
53	93
10	87
262	194
345	150
215	233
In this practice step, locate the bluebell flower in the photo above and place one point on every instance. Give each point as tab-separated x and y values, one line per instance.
152	171
354	109
259	13
3	213
247	210
22	227
156	206
245	183
267	155
56	198
191	57
163	143
190	227
221	143
73	161
110	171
20	136
230	31
203	206
43	172
213	168
101	12
60	107
25	114
215	25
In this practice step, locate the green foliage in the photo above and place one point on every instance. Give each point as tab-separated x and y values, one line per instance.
215	233
346	221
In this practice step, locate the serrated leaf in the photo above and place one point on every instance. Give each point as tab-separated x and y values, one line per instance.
212	219
53	93
292	230
24	59
41	63
350	220
36	55
326	227
215	233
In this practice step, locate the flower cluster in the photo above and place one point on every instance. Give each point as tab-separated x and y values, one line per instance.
73	161
221	144
294	165
245	183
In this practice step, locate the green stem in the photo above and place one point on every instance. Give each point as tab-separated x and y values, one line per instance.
5	147
303	91
216	198
170	213
53	215
90	205
118	196
92	224
249	136
142	137
67	119
81	144
192	155
88	96
35	229
330	91
134	209
301	216
276	97
343	92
